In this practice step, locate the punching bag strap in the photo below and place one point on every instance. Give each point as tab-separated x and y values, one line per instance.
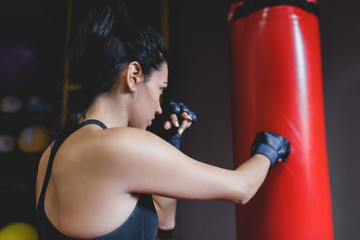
246	7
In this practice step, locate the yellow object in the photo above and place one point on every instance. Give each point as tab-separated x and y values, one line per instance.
33	139
18	231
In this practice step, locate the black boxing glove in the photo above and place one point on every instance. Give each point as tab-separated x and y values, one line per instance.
272	146
178	108
171	136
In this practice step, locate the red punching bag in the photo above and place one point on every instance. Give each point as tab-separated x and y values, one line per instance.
277	87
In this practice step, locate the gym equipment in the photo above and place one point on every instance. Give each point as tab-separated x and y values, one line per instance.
171	107
271	145
37	104
33	139
18	231
10	104
7	143
277	87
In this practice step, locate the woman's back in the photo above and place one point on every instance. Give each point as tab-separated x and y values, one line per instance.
82	200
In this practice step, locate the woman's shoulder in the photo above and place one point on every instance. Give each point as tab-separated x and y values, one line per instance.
98	150
106	138
116	143
126	135
112	151
129	140
120	132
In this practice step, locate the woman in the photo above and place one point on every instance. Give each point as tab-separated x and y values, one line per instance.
105	176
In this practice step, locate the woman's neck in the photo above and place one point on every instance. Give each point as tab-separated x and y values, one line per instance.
109	109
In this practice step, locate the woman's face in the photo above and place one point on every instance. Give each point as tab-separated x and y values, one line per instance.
147	102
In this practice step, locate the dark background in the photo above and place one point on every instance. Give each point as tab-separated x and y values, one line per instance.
199	76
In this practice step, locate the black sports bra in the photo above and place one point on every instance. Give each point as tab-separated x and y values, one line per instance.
142	224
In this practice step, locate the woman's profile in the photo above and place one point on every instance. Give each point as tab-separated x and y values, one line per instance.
105	176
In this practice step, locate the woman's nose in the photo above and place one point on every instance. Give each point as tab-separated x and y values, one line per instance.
159	109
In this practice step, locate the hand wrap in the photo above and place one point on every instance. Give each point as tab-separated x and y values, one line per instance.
171	136
272	146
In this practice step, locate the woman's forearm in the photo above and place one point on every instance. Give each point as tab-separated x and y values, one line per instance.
252	174
166	210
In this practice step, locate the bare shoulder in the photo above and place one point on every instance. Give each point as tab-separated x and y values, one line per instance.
116	148
120	138
137	144
127	133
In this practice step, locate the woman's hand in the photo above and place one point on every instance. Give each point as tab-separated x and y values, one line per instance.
175	119
186	116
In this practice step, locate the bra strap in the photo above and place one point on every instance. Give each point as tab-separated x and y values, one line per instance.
56	147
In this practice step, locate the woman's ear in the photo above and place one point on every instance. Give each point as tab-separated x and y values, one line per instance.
134	75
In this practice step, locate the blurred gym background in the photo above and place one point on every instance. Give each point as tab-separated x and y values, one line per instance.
32	64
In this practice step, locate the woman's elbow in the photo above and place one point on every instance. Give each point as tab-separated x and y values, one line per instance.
167	225
245	194
244	201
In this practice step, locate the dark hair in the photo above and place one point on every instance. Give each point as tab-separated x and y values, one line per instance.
106	42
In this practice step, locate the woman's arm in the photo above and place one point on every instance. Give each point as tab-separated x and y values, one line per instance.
166	211
166	207
170	125
148	164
